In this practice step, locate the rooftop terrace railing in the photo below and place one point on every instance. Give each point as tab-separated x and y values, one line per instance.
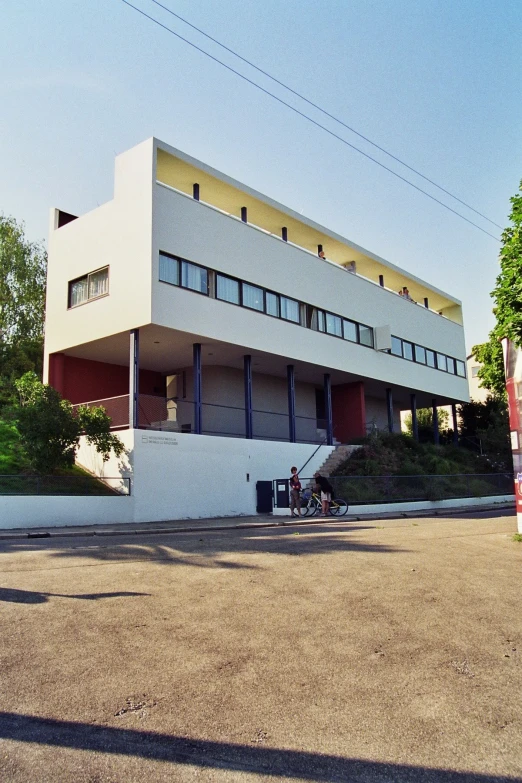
240	219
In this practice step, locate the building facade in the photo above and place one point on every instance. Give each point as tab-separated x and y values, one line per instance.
191	304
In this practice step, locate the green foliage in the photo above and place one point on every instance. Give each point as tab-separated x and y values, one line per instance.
22	306
518	537
50	428
488	424
425	424
507	296
11	454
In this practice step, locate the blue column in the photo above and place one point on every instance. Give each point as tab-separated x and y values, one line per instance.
197	388
284	234
290	374
244	214
328	408
134	378
389	408
381	281
248	396
436	438
455	425
195	191
414	425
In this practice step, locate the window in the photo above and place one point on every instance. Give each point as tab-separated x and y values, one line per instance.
407	350
168	269
350	331
227	289
441	362
366	335
272	304
334	325
396	346
92	286
253	297
474	371
194	277
450	363
430	358
420	354
289	309
461	368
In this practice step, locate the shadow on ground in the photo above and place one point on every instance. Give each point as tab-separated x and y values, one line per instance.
276	762
204	549
30	597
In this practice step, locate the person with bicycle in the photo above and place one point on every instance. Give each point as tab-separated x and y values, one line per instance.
295	493
325	488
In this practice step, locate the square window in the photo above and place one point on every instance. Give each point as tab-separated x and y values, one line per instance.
168	269
98	283
366	335
441	362
474	371
420	354
461	368
78	292
194	277
253	297
407	350
396	346
430	358
227	289
272	304
334	325
89	287
350	331
450	363
289	309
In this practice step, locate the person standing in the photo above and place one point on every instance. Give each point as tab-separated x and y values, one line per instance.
326	490
295	493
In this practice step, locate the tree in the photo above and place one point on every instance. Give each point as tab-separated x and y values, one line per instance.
507	295
50	427
23	267
487	423
425	423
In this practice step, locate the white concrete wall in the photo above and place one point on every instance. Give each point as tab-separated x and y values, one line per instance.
194	231
117	234
377	413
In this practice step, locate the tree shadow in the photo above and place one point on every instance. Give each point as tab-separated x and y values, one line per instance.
274	762
208	549
10	595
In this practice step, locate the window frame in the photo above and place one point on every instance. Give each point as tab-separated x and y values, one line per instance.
86	278
235	280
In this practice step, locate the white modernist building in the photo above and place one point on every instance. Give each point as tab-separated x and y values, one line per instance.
203	316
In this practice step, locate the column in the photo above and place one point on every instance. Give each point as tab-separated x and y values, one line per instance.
290	374
436	438
197	388
381	281
455	425
244	214
328	408
414	425
248	395
284	234
389	408
134	378
195	191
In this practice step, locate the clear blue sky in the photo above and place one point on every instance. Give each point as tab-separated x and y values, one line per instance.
437	82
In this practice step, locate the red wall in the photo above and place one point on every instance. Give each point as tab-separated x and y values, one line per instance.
82	380
349	411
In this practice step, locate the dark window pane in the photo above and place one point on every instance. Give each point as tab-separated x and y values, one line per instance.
420	354
461	368
169	269
366	335
441	362
227	289
194	277
430	358
407	350
290	309
333	325
350	331
253	297
272	304
78	292
396	346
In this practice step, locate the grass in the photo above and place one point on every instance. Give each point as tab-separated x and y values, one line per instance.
518	537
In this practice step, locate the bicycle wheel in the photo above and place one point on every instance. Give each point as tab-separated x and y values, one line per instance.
339	507
311	508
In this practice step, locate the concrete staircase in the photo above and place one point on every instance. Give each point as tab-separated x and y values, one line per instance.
338	455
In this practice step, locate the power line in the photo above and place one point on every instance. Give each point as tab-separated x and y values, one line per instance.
325	112
307	117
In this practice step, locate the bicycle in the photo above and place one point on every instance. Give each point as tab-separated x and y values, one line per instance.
313	506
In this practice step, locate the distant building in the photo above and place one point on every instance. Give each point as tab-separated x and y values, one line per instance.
476	391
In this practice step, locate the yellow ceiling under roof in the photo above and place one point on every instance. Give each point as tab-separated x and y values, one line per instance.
223	194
